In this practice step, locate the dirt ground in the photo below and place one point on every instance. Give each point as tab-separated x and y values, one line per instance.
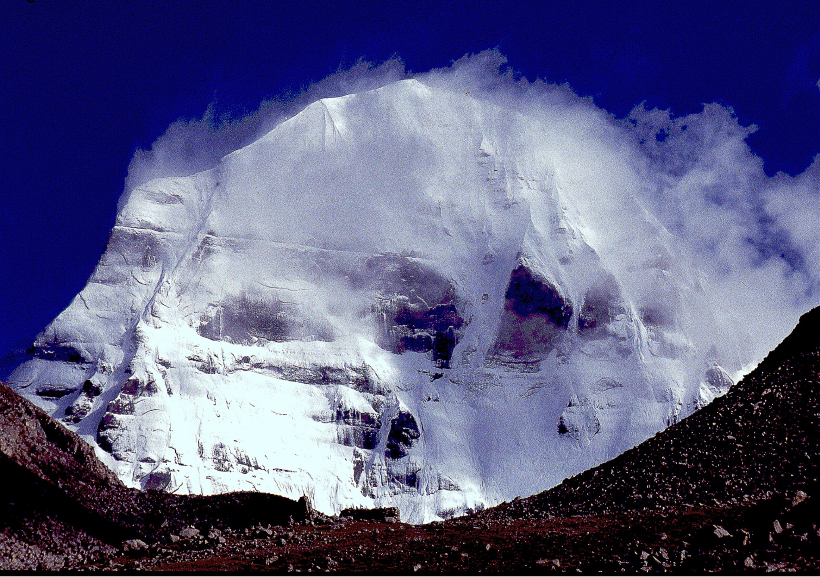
733	540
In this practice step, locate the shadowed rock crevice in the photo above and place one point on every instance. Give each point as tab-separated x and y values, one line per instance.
528	295
57	352
535	316
250	319
419	310
403	432
357	428
603	302
83	404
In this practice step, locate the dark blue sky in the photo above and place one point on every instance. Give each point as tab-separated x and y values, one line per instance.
84	86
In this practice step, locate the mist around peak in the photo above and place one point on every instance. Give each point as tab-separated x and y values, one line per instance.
752	236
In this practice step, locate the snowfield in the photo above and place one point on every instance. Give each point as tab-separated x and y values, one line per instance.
405	297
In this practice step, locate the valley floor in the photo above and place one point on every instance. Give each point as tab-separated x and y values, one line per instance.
775	535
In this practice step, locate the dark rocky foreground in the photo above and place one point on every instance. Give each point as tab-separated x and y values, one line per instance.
61	508
733	488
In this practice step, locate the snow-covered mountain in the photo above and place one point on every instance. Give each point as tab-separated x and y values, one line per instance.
408	296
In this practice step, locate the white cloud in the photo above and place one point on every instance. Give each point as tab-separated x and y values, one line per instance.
756	237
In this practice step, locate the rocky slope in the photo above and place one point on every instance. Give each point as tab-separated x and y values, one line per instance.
61	507
733	488
760	439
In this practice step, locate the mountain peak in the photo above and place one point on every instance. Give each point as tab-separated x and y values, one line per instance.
404	297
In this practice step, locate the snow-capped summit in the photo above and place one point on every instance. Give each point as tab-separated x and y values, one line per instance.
408	296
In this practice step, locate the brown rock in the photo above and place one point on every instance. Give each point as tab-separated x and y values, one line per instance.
721	533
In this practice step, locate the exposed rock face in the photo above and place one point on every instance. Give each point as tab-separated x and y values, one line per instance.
245	320
579	420
417	307
535	315
418	316
403	431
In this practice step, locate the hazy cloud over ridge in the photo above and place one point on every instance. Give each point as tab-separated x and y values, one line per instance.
193	145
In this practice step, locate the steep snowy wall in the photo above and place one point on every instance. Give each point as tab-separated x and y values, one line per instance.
401	297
